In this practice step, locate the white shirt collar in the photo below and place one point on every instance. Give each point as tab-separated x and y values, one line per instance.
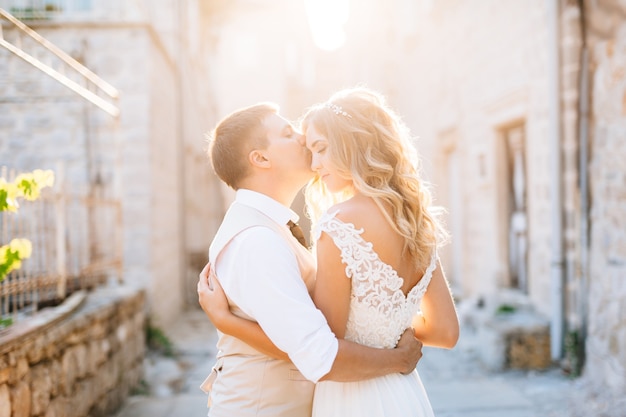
266	205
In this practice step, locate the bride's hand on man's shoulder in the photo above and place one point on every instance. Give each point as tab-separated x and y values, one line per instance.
211	296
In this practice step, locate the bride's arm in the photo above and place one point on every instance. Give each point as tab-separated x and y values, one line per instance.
332	288
214	303
438	323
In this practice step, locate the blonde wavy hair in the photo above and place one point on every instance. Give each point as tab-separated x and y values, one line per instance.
372	147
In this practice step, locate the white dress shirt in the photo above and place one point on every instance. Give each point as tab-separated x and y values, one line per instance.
259	272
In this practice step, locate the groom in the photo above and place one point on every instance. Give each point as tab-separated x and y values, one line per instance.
267	276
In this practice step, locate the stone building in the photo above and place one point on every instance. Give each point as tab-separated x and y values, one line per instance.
152	156
603	118
484	99
519	108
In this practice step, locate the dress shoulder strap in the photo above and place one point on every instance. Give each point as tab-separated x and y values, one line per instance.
335	228
428	274
355	251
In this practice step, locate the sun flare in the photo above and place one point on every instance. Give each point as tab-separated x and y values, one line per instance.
326	21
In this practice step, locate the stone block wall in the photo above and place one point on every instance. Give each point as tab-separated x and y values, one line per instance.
78	359
471	72
606	341
530	350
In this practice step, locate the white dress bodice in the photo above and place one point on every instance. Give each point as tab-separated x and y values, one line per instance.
379	310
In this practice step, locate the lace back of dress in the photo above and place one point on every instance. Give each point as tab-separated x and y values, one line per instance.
379	311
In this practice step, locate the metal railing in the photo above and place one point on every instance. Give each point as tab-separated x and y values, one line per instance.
66	65
76	244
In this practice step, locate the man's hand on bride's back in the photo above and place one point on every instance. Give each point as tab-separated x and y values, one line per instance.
411	350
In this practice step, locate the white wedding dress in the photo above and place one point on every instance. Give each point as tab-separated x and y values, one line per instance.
379	314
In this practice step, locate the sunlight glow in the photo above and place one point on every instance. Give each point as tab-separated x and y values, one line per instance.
326	20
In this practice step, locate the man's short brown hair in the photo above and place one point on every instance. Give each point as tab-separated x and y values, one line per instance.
234	137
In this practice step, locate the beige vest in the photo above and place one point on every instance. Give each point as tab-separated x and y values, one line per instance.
248	383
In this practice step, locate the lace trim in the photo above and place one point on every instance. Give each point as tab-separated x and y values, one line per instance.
379	310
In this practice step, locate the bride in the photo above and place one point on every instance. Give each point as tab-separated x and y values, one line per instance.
378	272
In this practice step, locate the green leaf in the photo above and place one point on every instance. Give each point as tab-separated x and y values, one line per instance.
4	200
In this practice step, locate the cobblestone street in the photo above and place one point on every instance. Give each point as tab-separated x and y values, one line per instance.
457	384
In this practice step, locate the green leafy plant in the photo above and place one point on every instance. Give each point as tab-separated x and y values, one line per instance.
156	340
574	353
27	186
11	255
505	309
142	388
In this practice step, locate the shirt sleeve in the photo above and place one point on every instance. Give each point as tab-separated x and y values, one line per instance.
266	284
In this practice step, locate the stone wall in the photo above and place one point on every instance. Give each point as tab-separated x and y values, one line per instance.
78	359
606	341
469	73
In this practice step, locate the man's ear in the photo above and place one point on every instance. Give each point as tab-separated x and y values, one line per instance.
258	158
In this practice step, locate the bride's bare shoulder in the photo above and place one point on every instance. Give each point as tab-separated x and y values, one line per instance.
357	210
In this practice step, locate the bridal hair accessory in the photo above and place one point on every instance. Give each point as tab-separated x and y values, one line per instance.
337	109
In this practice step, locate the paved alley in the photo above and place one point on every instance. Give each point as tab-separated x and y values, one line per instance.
458	386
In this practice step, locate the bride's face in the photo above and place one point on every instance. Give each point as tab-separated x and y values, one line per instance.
321	163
